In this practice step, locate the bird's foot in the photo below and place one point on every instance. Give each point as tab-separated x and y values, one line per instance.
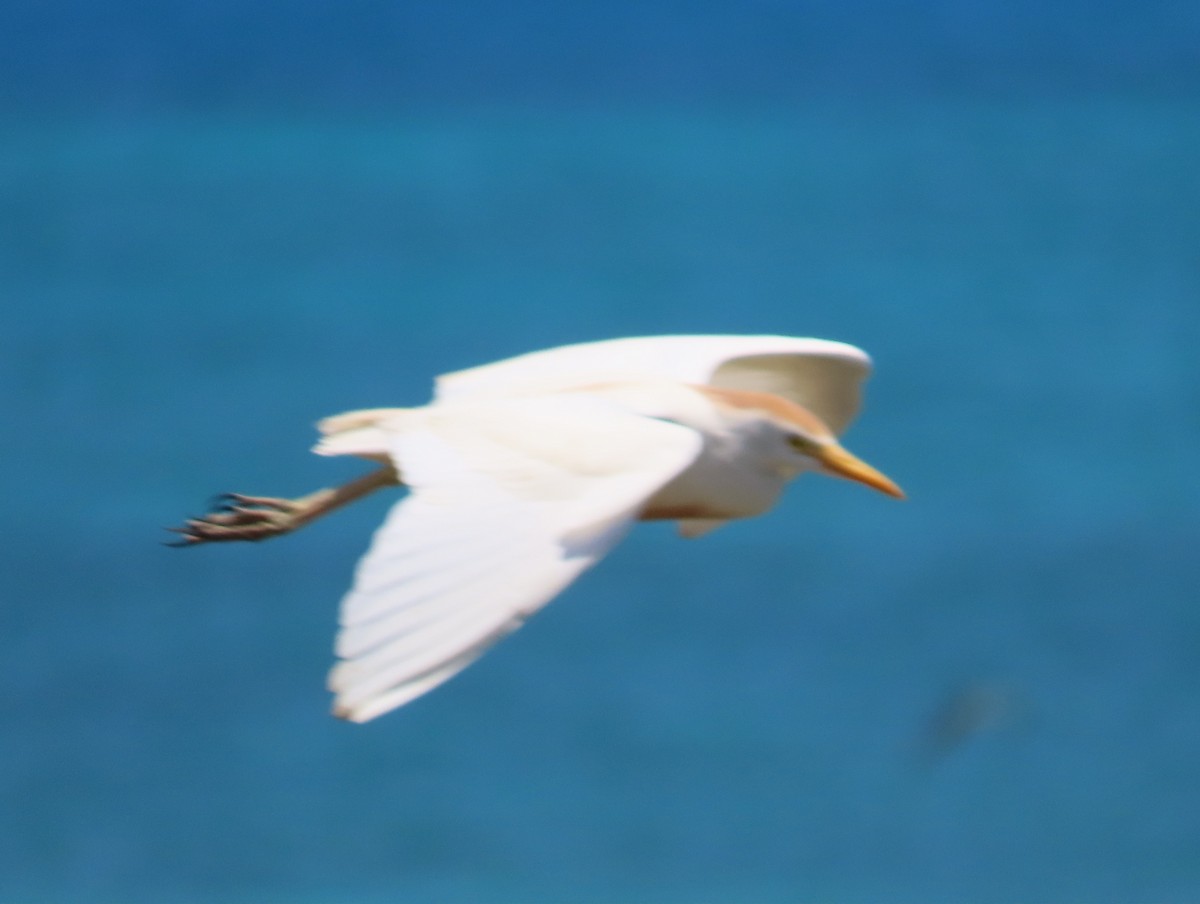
238	517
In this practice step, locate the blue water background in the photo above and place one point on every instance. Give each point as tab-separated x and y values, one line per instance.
221	221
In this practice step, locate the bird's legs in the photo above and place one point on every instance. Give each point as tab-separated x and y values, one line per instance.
241	517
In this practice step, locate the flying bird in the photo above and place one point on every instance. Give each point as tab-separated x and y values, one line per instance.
524	473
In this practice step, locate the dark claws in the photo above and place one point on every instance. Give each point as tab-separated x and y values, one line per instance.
186	540
238	517
227	502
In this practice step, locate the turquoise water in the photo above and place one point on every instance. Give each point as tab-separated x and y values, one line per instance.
985	694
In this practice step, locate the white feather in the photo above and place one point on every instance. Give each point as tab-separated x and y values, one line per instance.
511	500
823	376
692	528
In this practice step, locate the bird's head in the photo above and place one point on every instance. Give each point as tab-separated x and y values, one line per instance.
801	441
823	453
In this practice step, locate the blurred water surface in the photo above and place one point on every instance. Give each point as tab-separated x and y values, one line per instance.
219	223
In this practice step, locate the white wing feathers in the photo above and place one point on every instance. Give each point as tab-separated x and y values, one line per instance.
510	502
823	376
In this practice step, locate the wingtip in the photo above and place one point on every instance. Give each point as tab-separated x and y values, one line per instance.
342	712
347	713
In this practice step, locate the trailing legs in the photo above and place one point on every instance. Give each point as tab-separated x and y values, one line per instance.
239	517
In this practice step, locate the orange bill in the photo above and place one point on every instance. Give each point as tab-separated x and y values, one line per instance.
840	462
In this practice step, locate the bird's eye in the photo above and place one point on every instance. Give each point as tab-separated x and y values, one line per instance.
802	444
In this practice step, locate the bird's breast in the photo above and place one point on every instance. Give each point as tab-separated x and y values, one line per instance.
716	486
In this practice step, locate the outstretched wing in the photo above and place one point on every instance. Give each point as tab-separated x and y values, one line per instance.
510	502
825	377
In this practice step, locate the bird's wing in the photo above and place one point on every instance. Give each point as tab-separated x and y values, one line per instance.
510	502
823	376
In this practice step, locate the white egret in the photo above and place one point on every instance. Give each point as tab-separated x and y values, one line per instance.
526	472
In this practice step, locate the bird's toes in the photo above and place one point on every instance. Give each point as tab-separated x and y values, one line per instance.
186	538
222	502
231	501
236	516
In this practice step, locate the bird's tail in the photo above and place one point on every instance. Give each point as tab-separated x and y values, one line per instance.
362	433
